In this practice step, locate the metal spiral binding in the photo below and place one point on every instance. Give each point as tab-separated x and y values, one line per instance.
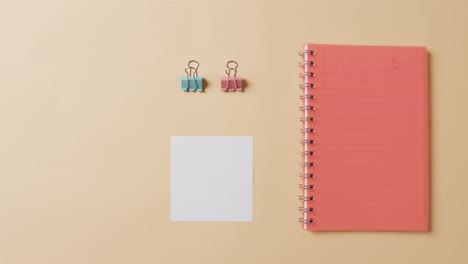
303	74
303	175
311	142
303	85
307	175
309	119
306	198
302	186
305	210
303	52
307	164
307	130
306	221
306	96
306	107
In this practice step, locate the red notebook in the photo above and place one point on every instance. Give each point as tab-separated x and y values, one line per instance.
366	145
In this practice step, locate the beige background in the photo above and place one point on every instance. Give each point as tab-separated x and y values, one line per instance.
90	95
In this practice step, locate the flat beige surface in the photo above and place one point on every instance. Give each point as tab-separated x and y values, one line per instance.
89	97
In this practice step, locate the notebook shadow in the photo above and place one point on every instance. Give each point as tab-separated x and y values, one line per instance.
430	144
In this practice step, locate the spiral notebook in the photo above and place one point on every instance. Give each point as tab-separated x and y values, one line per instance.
365	138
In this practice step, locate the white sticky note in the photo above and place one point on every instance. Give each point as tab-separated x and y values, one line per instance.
212	178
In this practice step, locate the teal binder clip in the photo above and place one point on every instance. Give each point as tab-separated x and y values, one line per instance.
192	82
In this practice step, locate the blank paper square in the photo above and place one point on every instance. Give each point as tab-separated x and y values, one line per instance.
211	178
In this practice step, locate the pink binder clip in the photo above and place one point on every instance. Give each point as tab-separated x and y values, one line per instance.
231	82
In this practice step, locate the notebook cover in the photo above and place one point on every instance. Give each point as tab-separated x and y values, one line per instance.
370	138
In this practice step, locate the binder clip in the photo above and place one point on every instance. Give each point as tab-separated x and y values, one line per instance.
192	82
231	82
